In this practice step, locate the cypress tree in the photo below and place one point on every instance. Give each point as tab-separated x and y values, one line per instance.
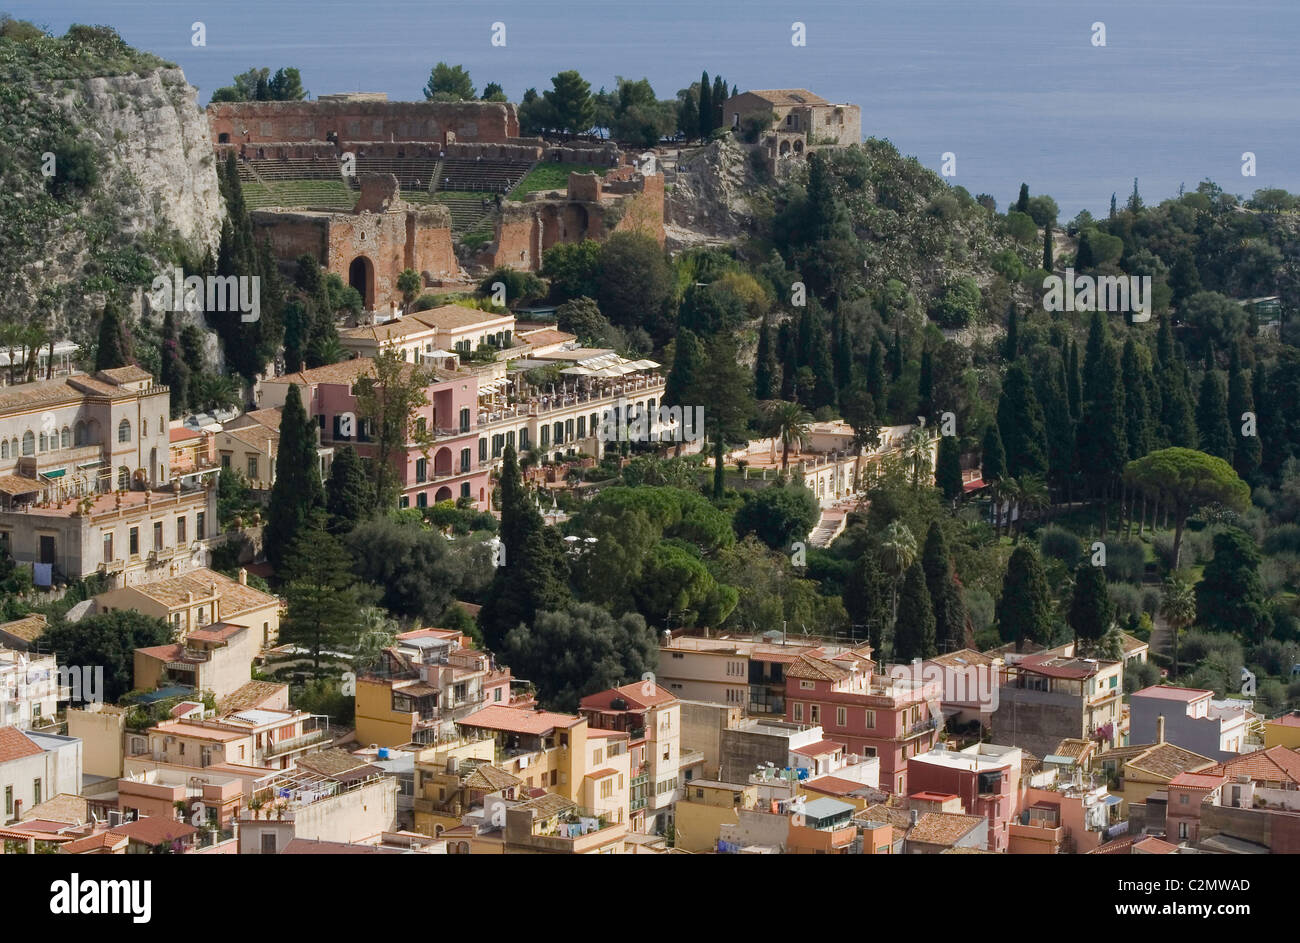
1049	256
687	370
866	597
1024	611
1011	348
993	458
1022	203
1072	387
718	99
173	372
1246	452
1102	442
843	354
1020	420
876	371
947	468
1137	417
789	350
114	348
914	631
1057	423
534	577
896	358
1177	416
348	493
945	595
1215	434
1091	611
925	388
706	106
297	493
766	369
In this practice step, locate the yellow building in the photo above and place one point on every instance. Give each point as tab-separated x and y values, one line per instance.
706	807
201	598
1138	771
1283	731
453	777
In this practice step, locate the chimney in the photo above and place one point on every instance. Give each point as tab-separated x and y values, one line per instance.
243	577
1160	729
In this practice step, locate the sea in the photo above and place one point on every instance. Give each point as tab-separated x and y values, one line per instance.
1076	99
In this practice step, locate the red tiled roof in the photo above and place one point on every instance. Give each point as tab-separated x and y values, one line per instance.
14	745
638	694
1169	692
92	843
154	830
1197	780
1271	765
1287	720
834	786
517	720
820	748
1155	846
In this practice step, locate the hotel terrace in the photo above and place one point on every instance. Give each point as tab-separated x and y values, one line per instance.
472	416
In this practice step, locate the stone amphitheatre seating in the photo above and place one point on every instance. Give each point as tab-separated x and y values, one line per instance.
412	173
494	175
270	169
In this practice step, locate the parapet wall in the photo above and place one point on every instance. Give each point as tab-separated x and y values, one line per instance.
300	122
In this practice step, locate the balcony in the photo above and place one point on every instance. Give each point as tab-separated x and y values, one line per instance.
281	747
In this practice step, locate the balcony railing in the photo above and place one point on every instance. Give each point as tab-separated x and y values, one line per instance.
281	747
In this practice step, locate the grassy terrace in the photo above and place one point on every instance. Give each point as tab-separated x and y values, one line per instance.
550	176
330	193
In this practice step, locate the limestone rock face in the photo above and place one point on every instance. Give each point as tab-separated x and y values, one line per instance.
160	155
711	200
156	193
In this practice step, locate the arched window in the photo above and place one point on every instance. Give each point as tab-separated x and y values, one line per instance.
124	479
29	443
13	448
65	438
79	434
4	449
124	431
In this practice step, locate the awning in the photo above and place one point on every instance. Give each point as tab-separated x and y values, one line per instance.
1114	800
97	462
16	484
56	473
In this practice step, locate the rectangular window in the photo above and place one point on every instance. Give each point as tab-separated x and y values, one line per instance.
421	470
871	720
482	450
841	716
135	541
798	713
180	531
36	792
9	800
108	548
814	713
252	467
199	520
157	535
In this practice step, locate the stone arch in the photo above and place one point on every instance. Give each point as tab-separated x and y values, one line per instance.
361	276
444	494
550	227
576	221
784	149
798	146
442	461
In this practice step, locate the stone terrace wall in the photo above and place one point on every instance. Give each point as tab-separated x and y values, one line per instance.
293	122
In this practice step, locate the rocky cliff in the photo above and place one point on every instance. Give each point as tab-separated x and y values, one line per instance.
131	190
715	196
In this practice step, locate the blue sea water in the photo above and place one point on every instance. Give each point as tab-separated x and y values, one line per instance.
1015	89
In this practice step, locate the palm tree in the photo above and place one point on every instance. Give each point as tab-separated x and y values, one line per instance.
916	453
1033	496
897	553
1178	607
1005	491
790	423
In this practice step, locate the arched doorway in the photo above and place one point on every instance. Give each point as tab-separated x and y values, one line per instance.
361	276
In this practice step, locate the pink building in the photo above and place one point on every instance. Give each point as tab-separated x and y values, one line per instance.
453	468
984	777
870	713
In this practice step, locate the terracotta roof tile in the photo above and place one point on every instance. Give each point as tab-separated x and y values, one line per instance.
14	745
943	828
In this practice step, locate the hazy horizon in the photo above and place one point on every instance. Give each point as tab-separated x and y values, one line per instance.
1014	88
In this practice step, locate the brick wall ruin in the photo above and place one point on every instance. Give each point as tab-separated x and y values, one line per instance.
353	120
370	246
